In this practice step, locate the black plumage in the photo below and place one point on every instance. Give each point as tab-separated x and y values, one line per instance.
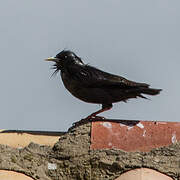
92	85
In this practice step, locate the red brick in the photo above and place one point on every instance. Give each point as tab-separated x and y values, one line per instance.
143	136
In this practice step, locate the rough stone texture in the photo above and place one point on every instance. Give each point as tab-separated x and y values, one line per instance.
31	160
73	155
72	159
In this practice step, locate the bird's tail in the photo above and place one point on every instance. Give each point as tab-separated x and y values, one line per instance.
138	92
150	91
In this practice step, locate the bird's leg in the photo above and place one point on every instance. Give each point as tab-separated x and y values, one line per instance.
105	107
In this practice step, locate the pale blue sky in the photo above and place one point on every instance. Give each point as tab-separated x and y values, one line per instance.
137	39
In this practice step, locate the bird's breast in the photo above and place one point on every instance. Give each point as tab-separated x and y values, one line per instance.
91	95
70	84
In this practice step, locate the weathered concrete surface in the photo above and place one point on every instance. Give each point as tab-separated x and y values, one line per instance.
31	160
63	161
72	159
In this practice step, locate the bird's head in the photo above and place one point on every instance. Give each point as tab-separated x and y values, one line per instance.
64	59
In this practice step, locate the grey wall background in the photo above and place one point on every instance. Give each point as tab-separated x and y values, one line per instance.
137	39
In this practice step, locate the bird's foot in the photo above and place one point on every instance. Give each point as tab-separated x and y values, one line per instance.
94	117
90	118
82	121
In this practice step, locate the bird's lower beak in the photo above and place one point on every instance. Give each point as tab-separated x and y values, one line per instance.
54	59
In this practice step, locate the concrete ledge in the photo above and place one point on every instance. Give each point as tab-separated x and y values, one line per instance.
77	154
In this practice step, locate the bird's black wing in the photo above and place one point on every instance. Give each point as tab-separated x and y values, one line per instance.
93	77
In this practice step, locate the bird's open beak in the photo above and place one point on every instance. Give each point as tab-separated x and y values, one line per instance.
54	59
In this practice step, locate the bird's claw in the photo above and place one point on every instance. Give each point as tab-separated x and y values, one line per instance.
88	119
94	117
82	121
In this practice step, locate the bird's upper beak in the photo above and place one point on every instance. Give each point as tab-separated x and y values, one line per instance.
54	59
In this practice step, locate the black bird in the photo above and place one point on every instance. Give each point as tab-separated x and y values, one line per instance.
92	85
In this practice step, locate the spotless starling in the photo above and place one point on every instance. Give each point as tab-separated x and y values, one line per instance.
92	85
